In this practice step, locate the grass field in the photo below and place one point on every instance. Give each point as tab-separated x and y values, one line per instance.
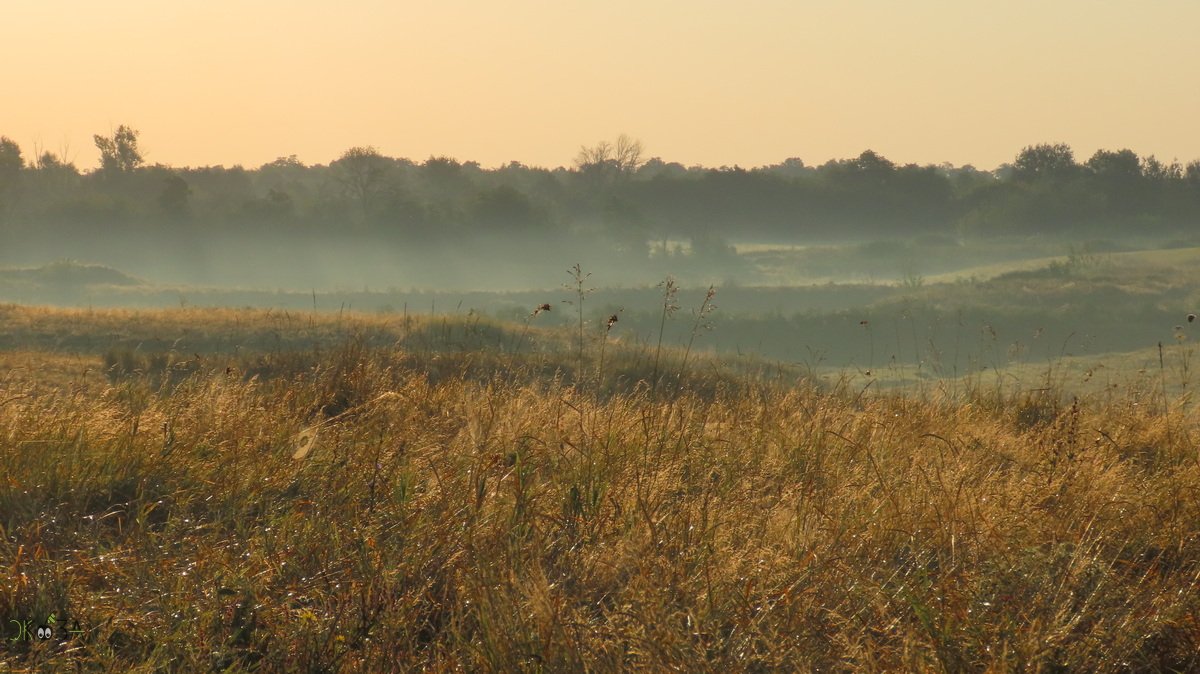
253	491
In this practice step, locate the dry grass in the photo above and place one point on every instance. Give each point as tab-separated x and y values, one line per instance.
482	513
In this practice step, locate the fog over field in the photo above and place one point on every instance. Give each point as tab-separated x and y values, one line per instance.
379	336
857	262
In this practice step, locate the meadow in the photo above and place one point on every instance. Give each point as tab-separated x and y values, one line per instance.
252	490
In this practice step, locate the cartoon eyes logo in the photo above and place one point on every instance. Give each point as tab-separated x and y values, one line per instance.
45	632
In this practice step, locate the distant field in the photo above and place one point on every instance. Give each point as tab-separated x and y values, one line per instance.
1020	313
1177	258
1097	379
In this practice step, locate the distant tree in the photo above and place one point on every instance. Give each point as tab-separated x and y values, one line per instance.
173	199
505	210
48	161
1192	173
442	170
858	192
409	219
276	207
1153	169
52	176
655	167
1118	176
626	227
610	160
286	175
119	152
288	162
966	178
361	171
869	168
871	162
1052	161
1122	164
445	184
11	164
792	167
1043	190
921	199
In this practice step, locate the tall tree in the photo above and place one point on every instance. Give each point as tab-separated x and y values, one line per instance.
1053	161
1118	176
11	162
173	199
53	175
610	160
10	168
119	152
361	171
1123	164
1192	173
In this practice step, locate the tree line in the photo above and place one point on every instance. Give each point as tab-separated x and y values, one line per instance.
611	194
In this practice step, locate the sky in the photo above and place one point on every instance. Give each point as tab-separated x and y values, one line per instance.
210	82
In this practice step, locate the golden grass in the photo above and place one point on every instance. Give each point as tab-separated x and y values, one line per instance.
453	519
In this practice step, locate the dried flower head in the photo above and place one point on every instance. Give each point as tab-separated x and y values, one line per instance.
541	308
612	320
670	291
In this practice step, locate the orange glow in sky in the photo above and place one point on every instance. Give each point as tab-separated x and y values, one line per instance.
699	82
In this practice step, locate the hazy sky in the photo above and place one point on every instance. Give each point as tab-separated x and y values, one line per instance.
699	82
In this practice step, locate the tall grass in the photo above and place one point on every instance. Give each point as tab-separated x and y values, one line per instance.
578	280
669	307
460	510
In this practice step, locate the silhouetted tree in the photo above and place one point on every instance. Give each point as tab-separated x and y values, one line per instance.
285	163
443	172
11	165
1192	173
361	171
119	152
1155	170
609	197
1118	177
52	178
283	169
11	162
1045	161
607	161
1122	164
655	167
505	210
792	167
174	196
